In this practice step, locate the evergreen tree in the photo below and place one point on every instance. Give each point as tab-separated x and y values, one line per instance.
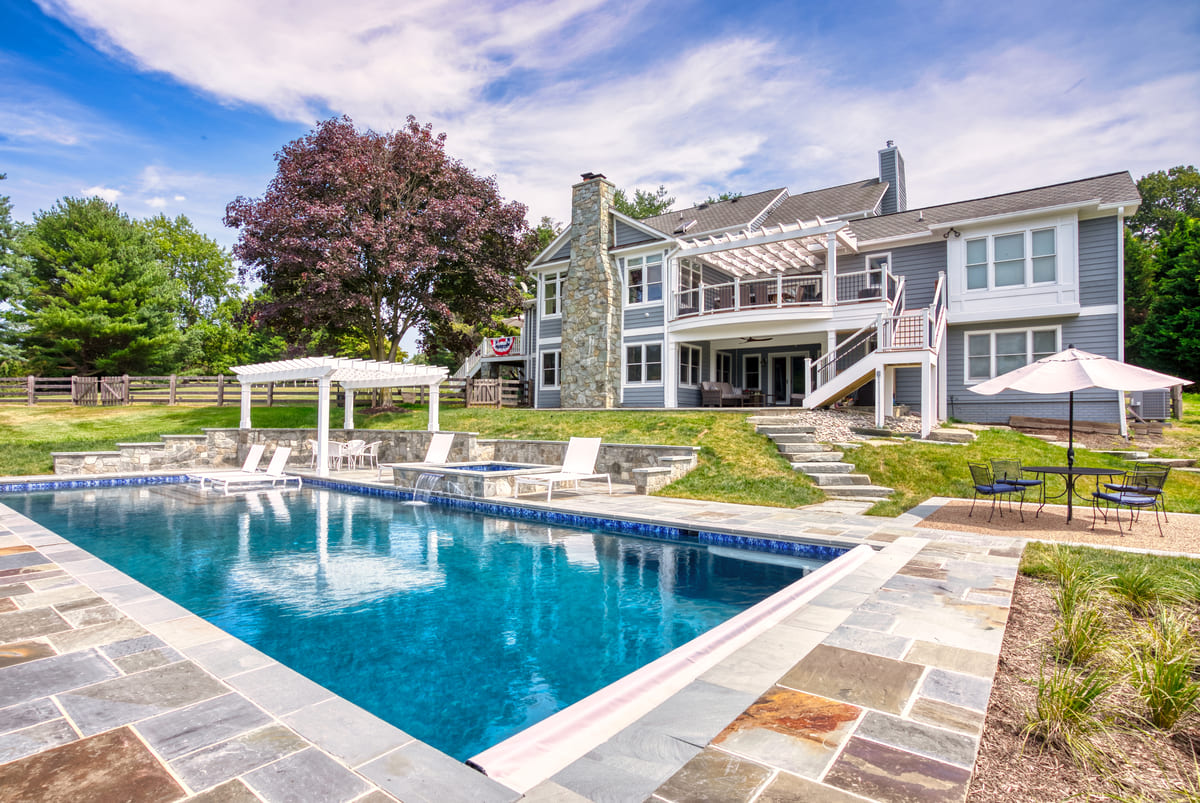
644	204
97	299
1170	338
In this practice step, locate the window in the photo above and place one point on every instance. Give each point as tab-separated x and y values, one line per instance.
552	287
689	365
643	278
551	364
1017	259
991	354
724	367
689	285
643	363
750	374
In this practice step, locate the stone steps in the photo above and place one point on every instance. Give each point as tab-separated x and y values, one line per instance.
819	462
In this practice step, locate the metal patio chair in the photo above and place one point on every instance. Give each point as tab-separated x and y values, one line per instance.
1146	479
1139	489
1009	472
987	485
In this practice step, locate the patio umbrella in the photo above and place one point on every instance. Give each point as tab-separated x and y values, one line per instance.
1072	370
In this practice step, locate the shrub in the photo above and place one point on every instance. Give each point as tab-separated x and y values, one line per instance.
1162	666
1065	713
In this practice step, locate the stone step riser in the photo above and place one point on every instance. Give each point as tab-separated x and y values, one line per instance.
823	468
823	480
784	430
859	491
801	448
816	457
794	438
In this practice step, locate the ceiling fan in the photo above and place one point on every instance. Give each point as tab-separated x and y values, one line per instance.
756	339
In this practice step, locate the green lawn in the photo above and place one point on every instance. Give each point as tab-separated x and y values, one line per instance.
736	465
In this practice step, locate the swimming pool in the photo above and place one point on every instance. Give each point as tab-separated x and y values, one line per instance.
458	628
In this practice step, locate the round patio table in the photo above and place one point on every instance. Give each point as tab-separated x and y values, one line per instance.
1070	475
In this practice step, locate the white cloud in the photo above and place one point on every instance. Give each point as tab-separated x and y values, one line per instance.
538	91
107	193
180	197
156	203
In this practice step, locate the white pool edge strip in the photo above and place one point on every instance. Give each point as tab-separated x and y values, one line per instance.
538	752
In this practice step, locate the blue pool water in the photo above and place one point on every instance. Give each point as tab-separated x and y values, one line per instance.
460	629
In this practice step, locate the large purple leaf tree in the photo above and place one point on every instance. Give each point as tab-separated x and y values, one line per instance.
374	235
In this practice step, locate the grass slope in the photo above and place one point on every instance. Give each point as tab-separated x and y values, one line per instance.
736	465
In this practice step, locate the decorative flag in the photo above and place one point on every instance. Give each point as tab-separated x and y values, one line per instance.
502	345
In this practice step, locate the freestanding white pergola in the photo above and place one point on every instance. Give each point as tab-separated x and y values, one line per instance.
352	375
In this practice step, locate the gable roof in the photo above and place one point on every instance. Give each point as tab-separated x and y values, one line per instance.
736	212
845	199
1110	189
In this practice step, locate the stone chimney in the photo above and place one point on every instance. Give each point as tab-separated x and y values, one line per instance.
591	317
891	170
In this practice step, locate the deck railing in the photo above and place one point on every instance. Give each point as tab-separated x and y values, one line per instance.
786	291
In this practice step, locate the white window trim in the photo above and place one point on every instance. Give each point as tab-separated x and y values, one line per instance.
687	363
541	369
758	360
562	274
991	333
643	383
662	283
1027	257
717	366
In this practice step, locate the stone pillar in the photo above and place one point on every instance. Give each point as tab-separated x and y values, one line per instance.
591	303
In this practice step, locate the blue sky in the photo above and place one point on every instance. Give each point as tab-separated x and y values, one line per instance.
179	107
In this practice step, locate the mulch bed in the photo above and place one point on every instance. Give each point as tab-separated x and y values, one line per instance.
1011	768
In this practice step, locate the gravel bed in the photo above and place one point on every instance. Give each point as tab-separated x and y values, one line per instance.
833	426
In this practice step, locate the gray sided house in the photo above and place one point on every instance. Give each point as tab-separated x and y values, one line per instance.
812	298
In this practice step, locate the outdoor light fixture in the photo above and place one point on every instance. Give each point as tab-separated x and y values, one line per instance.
953	231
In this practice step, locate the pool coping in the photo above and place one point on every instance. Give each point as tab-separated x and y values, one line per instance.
738	682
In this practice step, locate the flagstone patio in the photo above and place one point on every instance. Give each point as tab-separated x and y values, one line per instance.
877	689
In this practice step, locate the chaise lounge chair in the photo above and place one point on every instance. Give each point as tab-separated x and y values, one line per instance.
437	454
272	476
253	458
579	463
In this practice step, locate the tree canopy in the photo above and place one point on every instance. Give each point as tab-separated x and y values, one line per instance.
95	298
644	203
373	235
1167	197
1169	340
202	270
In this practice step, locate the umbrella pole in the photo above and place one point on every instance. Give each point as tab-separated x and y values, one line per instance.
1070	450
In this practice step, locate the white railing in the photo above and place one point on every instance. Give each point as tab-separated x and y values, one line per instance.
490	347
788	291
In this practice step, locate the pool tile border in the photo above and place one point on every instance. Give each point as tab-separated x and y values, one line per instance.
881	598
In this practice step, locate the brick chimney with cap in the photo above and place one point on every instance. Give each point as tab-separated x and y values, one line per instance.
591	313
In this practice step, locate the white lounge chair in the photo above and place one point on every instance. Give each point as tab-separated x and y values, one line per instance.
579	463
272	476
253	458
436	455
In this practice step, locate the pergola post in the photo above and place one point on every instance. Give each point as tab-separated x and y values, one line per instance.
831	288
323	426
245	422
348	419
435	391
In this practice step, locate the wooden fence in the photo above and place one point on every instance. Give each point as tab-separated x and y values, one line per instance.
88	391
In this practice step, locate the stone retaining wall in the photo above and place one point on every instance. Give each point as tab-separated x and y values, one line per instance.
228	447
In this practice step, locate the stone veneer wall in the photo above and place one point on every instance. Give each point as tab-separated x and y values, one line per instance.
591	305
227	448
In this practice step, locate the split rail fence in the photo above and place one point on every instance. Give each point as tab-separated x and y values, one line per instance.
95	391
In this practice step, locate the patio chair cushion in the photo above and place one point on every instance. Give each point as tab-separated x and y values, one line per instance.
998	488
1127	499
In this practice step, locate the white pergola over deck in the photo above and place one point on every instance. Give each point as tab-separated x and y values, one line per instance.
352	375
800	246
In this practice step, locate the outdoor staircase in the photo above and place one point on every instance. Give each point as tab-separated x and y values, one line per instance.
822	464
899	339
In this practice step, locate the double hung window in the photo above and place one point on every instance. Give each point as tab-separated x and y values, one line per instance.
643	278
643	364
991	354
551	367
689	365
1012	260
724	367
552	287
